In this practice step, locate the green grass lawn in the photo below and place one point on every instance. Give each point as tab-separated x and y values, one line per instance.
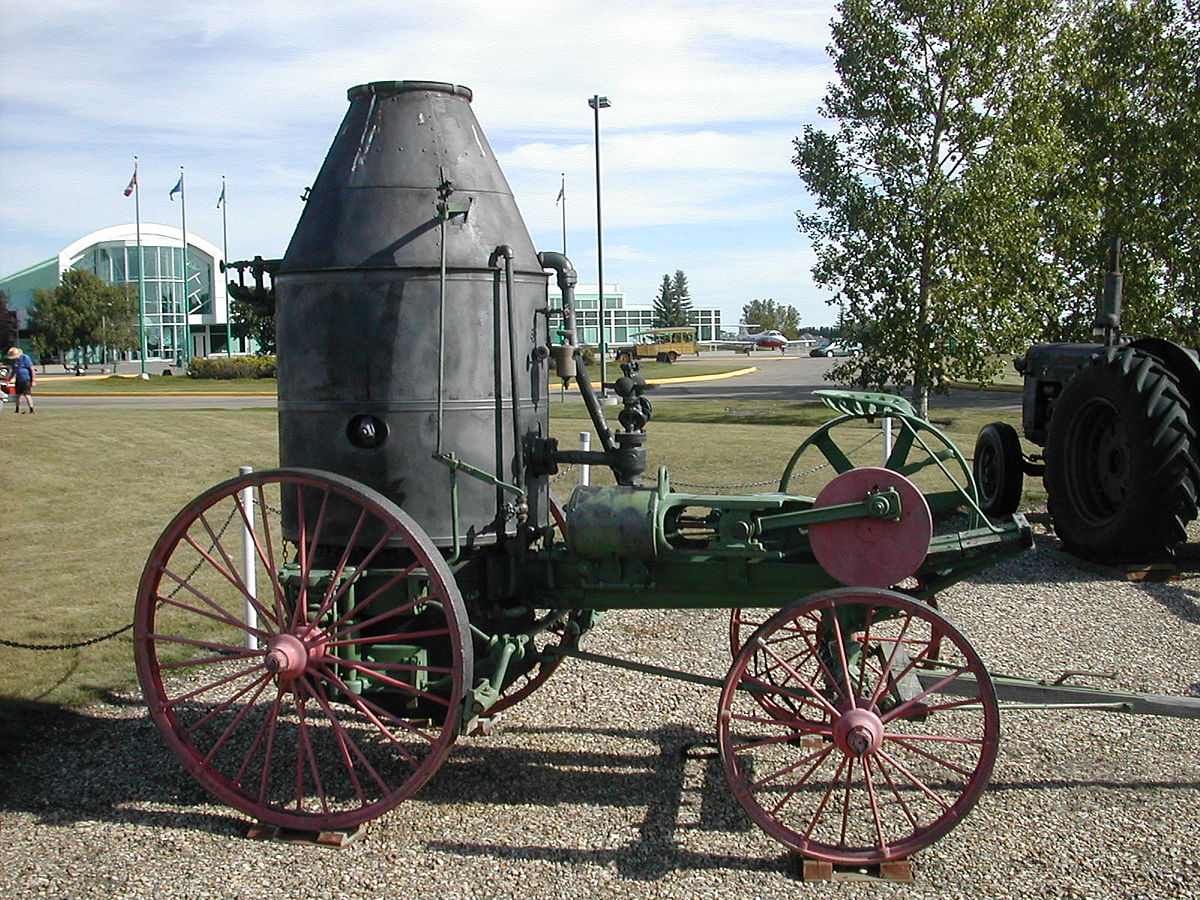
88	492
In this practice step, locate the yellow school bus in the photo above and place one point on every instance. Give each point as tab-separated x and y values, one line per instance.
662	344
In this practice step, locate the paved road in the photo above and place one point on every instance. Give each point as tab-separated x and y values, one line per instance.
779	379
787	379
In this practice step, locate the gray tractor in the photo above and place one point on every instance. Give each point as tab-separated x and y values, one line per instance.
1118	421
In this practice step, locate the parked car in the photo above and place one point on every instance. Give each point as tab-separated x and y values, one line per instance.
836	348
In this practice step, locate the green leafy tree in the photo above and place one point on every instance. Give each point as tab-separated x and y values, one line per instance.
253	315
924	223
768	315
83	312
1129	79
8	324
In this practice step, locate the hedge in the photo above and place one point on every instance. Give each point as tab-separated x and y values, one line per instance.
227	367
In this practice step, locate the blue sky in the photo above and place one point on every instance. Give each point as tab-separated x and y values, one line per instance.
696	148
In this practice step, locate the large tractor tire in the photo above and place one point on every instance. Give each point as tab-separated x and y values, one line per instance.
1120	473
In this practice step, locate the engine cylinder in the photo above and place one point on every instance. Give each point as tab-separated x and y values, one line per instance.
397	334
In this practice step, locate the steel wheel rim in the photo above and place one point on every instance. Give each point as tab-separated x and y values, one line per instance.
277	730
988	479
1099	470
834	773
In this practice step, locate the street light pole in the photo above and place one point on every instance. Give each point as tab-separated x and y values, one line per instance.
598	103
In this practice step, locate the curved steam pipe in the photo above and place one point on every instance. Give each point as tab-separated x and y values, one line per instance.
567	279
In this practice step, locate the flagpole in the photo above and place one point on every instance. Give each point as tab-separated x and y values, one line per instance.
225	260
183	340
137	212
562	195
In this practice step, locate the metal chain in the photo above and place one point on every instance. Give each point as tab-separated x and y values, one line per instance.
722	487
75	645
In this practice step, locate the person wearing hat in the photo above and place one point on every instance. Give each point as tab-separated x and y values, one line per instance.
22	367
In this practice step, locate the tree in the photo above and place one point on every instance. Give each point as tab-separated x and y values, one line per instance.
663	304
252	312
682	296
924	223
673	305
769	315
83	312
8	324
1129	78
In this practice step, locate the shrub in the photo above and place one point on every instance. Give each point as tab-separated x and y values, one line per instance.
227	367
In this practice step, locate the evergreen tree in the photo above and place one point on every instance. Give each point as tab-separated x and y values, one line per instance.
663	304
673	305
681	294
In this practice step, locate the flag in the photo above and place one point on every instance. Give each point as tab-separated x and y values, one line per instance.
562	192
132	183
221	199
178	189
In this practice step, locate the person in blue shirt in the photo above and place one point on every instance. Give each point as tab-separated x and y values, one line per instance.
22	371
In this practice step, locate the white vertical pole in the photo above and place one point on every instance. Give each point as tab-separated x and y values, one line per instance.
249	567
887	439
585	444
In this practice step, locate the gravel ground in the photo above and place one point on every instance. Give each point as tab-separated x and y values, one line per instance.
602	783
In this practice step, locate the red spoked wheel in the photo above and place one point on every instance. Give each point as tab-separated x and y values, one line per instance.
561	630
743	623
871	746
307	667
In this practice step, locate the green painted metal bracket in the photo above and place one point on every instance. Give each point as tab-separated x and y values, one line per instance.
452	462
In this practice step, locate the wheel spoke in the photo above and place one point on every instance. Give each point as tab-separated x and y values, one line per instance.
347	745
375	595
914	780
876	818
803	682
909	705
885	673
204	689
933	757
336	589
222	615
816	758
228	571
258	687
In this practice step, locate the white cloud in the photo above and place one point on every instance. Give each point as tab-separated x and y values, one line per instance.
706	96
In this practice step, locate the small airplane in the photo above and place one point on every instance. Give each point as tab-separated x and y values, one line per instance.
747	340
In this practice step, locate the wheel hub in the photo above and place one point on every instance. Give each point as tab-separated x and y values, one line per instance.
290	655
859	732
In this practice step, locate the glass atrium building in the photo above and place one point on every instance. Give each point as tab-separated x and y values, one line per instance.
185	306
